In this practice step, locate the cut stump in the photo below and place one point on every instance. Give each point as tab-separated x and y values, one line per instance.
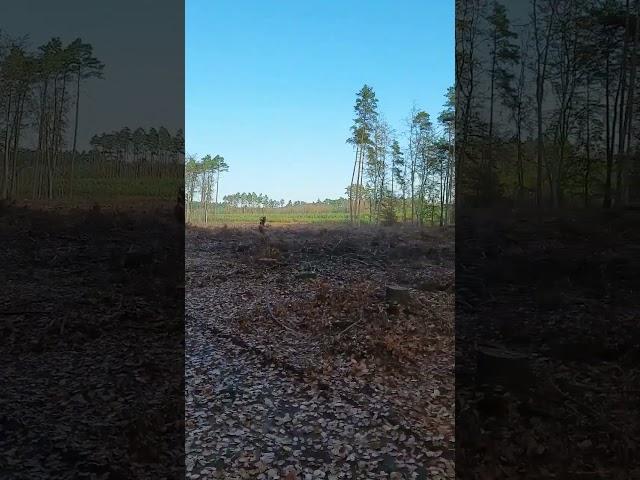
396	294
497	365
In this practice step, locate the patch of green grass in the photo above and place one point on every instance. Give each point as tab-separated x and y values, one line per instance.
197	217
144	186
276	216
104	188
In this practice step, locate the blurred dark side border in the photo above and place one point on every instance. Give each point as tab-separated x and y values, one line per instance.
547	235
92	239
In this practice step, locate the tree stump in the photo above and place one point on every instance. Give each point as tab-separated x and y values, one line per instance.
497	365
397	295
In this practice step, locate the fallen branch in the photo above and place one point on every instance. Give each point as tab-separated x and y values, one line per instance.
333	249
353	324
356	259
273	317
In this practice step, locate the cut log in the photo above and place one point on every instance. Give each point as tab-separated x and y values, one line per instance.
396	294
496	365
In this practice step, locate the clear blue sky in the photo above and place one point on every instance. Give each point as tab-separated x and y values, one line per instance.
270	85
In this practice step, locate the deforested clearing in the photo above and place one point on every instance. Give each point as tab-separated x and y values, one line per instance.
319	349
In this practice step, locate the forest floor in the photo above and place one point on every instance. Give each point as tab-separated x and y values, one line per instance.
297	366
556	295
91	362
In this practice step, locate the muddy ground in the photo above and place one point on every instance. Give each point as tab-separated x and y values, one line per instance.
299	367
91	350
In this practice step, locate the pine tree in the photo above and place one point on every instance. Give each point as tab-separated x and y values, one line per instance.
363	127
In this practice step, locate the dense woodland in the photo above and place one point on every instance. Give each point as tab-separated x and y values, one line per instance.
546	289
547	102
41	91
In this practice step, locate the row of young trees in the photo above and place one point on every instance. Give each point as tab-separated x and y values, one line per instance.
252	200
548	101
202	178
38	91
257	200
415	178
141	145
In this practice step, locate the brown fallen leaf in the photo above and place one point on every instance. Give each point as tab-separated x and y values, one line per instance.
291	475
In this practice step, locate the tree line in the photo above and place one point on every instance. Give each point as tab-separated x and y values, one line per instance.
202	178
260	201
38	91
248	202
252	200
139	144
141	153
40	95
548	102
414	178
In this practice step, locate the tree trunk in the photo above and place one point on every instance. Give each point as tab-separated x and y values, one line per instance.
490	162
203	196
609	153
5	178
16	146
358	189
353	174
587	200
217	185
75	135
540	78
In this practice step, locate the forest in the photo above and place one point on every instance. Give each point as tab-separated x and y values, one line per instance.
410	178
547	102
547	224
465	307
41	91
92	271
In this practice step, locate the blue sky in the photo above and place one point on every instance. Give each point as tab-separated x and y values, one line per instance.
271	84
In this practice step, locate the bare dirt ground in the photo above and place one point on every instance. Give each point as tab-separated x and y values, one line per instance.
91	344
298	366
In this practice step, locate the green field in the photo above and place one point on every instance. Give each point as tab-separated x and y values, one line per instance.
97	178
311	214
100	189
197	217
164	188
